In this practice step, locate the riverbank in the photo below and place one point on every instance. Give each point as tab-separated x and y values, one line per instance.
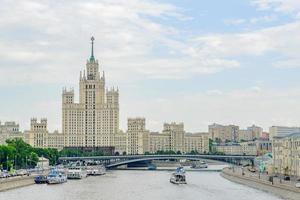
284	191
15	182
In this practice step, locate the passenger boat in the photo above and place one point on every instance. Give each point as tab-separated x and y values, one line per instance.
40	179
178	177
76	172
55	177
95	170
199	165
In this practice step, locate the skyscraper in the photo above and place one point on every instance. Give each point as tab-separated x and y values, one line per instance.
94	120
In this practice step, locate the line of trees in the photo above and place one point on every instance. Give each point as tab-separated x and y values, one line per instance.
17	154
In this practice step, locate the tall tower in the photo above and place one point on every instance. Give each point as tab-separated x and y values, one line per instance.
93	121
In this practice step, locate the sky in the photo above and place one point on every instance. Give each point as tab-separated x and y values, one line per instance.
194	61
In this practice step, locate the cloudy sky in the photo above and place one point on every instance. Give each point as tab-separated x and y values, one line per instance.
192	61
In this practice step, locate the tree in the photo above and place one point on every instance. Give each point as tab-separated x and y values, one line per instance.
210	145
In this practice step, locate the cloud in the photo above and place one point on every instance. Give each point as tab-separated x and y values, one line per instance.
243	107
51	37
254	20
287	64
283	6
281	40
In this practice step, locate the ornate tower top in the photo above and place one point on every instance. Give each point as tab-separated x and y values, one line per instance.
92	58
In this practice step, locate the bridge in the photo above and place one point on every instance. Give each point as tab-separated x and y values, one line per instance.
115	161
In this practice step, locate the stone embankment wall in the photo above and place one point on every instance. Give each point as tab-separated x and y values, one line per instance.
284	192
15	182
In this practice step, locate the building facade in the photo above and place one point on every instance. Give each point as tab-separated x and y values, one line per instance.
137	136
39	136
286	154
244	148
10	130
251	133
197	142
173	138
221	133
94	120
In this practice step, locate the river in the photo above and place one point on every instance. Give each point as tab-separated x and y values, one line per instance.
140	185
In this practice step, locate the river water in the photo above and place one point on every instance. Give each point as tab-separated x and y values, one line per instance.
140	185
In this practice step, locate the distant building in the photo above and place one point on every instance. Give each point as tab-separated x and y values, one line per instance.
159	142
39	136
281	131
10	130
251	133
265	136
263	146
223	133
94	120
244	148
137	136
173	138
197	142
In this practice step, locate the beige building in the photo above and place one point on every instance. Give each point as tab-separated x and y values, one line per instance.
10	130
159	142
251	133
137	136
39	136
244	148
94	120
174	138
286	154
176	134
197	142
223	133
120	142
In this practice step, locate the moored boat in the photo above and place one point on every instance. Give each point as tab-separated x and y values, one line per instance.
40	179
76	172
95	170
56	177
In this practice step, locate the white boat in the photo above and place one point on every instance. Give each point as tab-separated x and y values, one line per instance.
76	172
95	170
199	165
56	177
178	177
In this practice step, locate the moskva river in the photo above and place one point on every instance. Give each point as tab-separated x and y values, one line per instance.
140	185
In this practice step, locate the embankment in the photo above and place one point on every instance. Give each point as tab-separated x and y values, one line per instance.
15	182
282	191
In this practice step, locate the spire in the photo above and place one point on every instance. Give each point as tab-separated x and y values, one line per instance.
92	59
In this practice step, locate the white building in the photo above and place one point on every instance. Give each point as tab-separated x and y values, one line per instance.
281	131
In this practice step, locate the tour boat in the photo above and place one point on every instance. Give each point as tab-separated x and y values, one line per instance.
178	177
76	172
56	177
95	170
40	179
